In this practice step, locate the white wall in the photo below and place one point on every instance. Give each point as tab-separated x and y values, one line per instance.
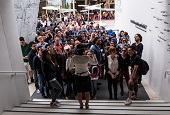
13	90
26	16
155	52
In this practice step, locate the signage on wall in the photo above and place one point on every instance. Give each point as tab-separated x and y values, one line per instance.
140	26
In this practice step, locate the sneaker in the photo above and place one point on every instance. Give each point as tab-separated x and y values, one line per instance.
38	91
54	104
128	101
95	98
29	81
66	97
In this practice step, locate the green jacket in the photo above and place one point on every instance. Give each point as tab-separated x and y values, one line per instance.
25	50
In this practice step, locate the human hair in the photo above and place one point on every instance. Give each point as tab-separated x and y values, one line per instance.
21	38
112	50
47	45
132	47
31	43
95	39
38	48
80	49
139	37
44	53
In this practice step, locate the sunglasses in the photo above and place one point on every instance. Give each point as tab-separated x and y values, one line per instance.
124	50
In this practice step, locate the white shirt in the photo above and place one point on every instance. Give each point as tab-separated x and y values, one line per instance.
112	64
68	62
81	64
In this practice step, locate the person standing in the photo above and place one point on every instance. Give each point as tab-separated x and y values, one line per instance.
83	80
31	56
135	74
139	49
25	50
124	63
112	72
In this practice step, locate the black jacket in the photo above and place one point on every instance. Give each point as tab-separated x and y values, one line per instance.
49	69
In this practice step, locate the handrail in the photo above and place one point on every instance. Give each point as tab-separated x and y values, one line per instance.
13	72
167	72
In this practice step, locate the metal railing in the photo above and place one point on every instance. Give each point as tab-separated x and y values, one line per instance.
13	73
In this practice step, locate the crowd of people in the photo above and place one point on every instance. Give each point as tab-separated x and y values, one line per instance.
74	54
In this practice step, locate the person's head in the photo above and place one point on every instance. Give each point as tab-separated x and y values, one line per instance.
46	55
138	38
22	41
80	49
40	39
57	40
131	50
122	33
32	45
97	40
47	47
112	43
124	41
124	50
89	53
72	41
70	53
112	51
39	50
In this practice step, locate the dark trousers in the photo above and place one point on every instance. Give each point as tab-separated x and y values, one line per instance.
121	75
59	79
56	90
36	79
112	82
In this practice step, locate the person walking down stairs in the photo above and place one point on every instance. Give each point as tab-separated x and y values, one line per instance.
49	70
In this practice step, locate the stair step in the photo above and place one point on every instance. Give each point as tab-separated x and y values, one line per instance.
32	113
88	111
98	107
134	103
104	101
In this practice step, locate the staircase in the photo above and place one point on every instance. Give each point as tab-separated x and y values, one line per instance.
102	107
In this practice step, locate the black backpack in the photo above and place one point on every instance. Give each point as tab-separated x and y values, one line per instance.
143	67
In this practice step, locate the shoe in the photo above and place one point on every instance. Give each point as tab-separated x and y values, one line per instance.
81	106
134	97
54	104
95	98
38	91
44	96
110	98
87	106
29	81
115	98
128	101
66	97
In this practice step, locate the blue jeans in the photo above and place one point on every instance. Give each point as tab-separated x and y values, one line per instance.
42	84
93	88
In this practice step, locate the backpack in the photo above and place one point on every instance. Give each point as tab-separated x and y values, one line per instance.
143	67
94	71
